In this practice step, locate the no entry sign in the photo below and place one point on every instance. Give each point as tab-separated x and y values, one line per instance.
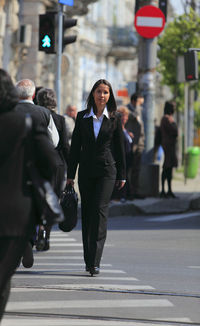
149	21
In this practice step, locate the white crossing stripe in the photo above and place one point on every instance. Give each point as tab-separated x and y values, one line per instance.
69	277
195	267
62	239
67	264
67	244
33	321
73	245
111	287
96	304
114	271
47	255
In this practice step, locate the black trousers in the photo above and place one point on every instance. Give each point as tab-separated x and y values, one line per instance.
95	196
11	251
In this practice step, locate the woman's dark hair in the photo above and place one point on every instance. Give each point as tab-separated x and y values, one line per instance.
169	107
46	97
111	105
8	92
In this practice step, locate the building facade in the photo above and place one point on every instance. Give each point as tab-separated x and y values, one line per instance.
105	46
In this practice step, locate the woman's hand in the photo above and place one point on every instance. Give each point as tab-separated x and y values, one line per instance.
120	184
70	182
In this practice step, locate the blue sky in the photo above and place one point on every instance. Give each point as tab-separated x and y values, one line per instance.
177	4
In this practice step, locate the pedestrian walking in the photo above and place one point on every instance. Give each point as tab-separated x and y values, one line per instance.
17	216
98	147
169	133
124	193
26	92
136	126
46	97
70	118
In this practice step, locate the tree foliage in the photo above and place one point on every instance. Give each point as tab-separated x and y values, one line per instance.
179	35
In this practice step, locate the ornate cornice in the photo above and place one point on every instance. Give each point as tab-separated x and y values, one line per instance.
80	7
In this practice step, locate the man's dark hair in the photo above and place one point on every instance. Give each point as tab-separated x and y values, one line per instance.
169	107
135	96
8	92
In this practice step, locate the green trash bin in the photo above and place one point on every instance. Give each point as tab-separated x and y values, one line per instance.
192	162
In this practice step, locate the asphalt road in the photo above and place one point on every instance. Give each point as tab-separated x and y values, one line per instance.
150	275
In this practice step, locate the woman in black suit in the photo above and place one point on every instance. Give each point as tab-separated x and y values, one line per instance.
98	147
46	97
17	217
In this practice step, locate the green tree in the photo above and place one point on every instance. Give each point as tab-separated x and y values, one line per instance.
179	35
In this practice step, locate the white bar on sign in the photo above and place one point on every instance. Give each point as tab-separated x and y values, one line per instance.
149	21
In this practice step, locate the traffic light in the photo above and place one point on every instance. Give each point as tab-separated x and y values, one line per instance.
47	30
163	7
68	23
137	5
191	65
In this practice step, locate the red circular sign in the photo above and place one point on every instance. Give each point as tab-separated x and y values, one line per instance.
149	21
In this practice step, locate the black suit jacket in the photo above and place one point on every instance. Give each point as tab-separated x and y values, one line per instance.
39	113
103	156
16	205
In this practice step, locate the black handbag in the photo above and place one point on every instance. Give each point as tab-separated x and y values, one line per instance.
47	206
69	204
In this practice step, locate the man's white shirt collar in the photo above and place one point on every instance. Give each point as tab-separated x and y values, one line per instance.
26	101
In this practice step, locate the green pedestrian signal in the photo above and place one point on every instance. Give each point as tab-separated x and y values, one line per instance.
46	42
47	30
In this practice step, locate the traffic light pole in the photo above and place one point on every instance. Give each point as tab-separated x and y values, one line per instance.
59	56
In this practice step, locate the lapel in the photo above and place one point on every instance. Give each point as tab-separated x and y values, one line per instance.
88	127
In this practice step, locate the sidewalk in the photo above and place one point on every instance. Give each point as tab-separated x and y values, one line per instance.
188	199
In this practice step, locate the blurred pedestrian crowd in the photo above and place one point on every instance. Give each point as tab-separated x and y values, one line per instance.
105	141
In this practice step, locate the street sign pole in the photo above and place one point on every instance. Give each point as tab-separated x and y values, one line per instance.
59	56
147	54
149	23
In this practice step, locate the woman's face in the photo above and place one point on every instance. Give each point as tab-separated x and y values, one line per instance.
101	95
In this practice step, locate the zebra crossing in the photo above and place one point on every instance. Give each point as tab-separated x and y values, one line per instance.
57	287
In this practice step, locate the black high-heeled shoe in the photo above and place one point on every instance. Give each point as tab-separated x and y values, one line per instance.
94	270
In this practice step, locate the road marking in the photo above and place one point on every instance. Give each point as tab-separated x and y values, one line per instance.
59	257
34	321
172	217
48	254
195	267
72	245
96	304
70	277
67	244
67	264
62	239
58	287
114	271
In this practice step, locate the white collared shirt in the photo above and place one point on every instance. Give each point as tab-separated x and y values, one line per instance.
97	122
26	101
